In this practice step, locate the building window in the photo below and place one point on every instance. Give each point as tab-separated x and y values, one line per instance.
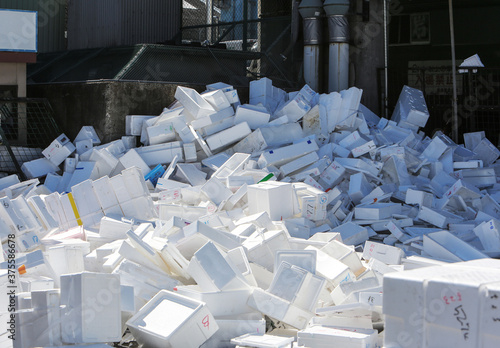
410	29
399	30
420	28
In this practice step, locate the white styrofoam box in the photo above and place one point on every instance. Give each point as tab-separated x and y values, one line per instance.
146	280
44	217
231	165
161	153
261	91
464	190
404	307
231	328
435	149
133	124
57	151
353	141
83	146
335	271
106	196
377	211
212	119
217	127
323	337
85	198
487	152
225	304
262	251
255	116
83	171
65	260
332	175
351	233
270	136
114	229
25	214
279	308
161	133
191	174
88	132
488	312
359	187
129	141
419	197
38	168
238	258
133	159
217	99
445	246
438	218
220	85
471	140
488	234
168	318
346	255
275	198
457	321
471	164
385	253
299	163
214	162
228	136
82	322
294	109
8	180
190	152
305	259
411	107
262	341
363	149
11	218
70	164
286	154
193	102
216	191
210	278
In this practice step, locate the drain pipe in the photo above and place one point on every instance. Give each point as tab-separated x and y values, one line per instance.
338	29
311	11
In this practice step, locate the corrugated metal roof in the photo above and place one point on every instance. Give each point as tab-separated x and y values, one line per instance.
51	17
107	23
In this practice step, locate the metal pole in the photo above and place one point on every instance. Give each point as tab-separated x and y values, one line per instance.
245	25
386	64
454	74
209	5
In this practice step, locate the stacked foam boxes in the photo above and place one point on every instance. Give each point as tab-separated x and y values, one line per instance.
235	224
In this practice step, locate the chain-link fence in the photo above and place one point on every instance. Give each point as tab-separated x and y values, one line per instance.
247	26
478	98
26	127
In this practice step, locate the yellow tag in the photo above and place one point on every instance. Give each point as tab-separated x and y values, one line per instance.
75	209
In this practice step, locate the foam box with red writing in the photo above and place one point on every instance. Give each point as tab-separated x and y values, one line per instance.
168	319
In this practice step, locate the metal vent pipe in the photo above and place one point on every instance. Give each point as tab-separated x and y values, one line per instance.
311	11
338	30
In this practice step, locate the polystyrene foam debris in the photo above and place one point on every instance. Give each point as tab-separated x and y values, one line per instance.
289	212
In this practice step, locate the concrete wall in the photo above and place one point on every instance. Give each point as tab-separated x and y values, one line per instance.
14	74
105	104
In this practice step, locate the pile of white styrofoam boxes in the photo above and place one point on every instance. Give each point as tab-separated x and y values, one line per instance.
294	218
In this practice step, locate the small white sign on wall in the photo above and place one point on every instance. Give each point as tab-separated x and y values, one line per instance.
18	31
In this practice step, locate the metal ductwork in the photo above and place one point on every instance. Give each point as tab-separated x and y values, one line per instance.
338	30
311	12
